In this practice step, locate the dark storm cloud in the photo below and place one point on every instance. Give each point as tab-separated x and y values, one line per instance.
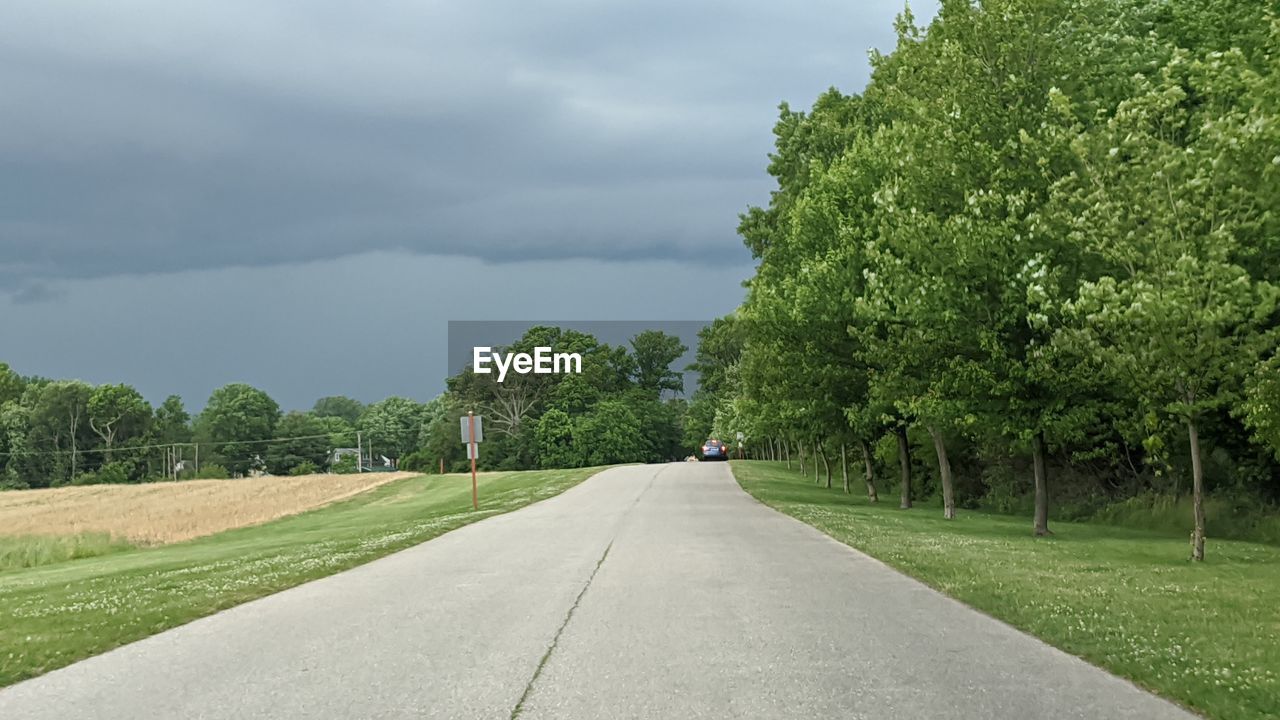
147	136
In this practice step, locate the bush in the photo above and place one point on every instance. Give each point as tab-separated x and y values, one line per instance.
114	473
346	465
1230	517
306	467
420	461
212	471
86	478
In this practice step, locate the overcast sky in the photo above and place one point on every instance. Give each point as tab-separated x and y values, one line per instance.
300	195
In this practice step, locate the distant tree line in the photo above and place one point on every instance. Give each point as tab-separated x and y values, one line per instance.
622	407
1037	256
61	432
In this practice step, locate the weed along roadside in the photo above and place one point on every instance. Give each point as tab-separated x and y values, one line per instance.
1127	600
53	615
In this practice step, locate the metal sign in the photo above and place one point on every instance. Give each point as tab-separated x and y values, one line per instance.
472	433
466	428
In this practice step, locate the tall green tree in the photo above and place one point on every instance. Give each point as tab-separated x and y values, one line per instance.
654	353
338	406
1178	319
239	419
392	426
301	438
11	384
172	423
117	413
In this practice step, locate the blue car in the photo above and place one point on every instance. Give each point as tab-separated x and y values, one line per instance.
713	449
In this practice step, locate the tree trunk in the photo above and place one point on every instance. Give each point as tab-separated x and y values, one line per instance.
872	495
1197	493
844	468
1042	486
944	471
786	451
75	422
904	459
817	479
826	465
800	454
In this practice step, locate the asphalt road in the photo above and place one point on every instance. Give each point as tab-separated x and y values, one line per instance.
659	591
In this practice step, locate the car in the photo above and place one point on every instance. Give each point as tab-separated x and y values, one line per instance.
713	449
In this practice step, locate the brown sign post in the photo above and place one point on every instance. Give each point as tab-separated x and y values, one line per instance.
472	433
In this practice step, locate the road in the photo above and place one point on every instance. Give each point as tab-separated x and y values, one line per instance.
660	591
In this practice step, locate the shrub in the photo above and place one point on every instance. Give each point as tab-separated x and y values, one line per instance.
85	478
114	473
419	461
345	465
306	467
212	471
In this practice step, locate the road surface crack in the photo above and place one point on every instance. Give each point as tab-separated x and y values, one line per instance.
515	711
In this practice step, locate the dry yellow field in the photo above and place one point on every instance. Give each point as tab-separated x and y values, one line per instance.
171	512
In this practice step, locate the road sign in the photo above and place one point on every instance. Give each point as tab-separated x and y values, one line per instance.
466	428
472	433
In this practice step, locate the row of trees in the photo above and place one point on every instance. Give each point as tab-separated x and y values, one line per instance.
620	409
64	432
1044	236
58	432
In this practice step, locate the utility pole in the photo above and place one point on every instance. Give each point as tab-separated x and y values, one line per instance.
359	453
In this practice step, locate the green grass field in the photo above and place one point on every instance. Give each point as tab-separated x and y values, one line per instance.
1206	635
29	551
55	614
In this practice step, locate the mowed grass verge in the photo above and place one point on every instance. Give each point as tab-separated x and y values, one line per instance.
53	615
1206	635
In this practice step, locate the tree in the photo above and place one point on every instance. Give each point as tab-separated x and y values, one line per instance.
117	412
653	352
239	419
609	434
341	434
392	426
300	438
1262	405
172	423
1178	320
58	422
15	429
555	440
11	385
338	406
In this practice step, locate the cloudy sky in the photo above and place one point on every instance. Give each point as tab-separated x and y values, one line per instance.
300	195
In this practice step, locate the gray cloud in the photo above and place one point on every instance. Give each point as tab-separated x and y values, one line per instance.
368	326
143	136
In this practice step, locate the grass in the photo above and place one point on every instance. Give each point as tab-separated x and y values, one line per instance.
1206	635
159	513
53	615
1236	518
28	551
